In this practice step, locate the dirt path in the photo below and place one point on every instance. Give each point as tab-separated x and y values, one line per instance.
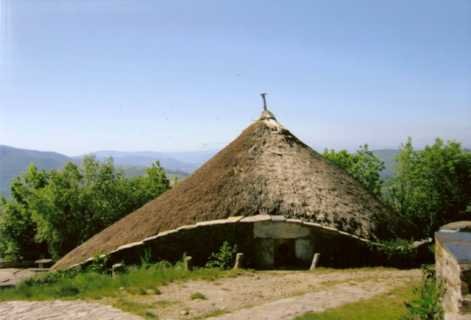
60	310
327	298
274	295
10	277
280	295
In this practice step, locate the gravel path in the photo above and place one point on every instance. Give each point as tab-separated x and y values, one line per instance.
275	295
61	310
270	295
289	308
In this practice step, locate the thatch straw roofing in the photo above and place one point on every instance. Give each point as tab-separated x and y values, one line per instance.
265	170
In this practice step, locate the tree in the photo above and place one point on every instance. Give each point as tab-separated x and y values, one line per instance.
431	187
363	165
17	229
153	182
62	209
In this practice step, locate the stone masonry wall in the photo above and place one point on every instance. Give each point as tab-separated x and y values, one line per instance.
266	241
453	266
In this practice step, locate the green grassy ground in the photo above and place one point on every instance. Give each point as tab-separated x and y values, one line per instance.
127	291
390	306
92	285
122	291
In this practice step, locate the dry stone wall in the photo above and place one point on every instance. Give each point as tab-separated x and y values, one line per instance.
453	264
266	241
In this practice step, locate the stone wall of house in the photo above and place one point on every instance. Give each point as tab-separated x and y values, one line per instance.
267	242
453	265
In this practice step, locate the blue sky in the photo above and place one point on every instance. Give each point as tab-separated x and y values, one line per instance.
83	75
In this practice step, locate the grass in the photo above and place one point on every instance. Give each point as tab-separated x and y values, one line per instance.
128	290
145	310
144	280
122	291
215	313
390	306
198	296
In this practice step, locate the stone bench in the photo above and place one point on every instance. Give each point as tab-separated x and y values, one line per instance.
44	263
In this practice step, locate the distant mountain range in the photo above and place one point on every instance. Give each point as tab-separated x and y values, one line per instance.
13	161
173	161
388	156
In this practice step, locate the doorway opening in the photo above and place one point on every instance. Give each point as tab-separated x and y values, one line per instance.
285	255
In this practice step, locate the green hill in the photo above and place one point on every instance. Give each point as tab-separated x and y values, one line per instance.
13	161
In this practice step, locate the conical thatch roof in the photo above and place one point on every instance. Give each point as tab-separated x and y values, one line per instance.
265	170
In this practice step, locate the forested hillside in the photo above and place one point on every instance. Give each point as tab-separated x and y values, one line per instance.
14	161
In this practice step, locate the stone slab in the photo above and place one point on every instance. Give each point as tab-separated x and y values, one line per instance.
265	257
257	218
280	230
458	244
304	249
130	245
457	226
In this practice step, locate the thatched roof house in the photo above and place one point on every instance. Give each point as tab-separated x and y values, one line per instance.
266	191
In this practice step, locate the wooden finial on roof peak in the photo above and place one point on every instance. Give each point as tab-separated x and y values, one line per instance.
266	114
264	97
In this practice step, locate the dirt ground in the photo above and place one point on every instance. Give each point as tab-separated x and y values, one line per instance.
10	277
273	295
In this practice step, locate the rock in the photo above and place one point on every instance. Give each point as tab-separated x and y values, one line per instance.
239	261
188	263
280	230
315	261
117	268
44	263
458	226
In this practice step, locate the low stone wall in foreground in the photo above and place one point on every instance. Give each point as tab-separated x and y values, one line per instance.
453	265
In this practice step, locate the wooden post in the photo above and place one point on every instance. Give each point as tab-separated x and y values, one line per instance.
264	97
117	268
239	261
188	263
315	261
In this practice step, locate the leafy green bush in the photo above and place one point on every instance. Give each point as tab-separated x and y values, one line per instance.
224	258
363	165
397	248
146	258
99	264
431	187
428	304
52	212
